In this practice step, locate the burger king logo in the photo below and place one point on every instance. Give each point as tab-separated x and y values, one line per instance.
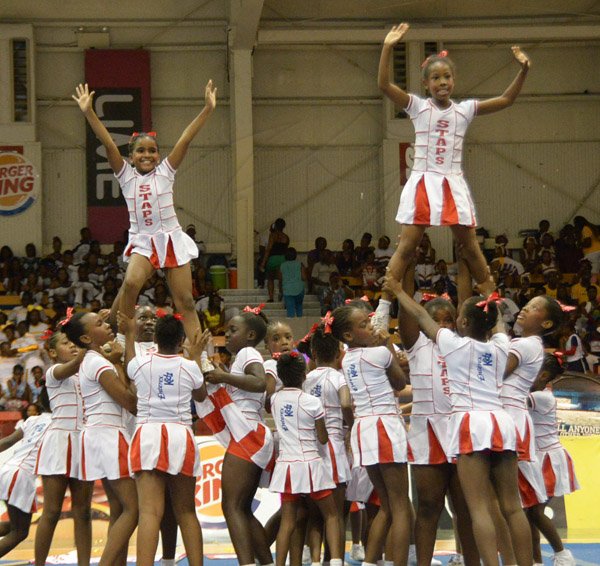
17	184
208	486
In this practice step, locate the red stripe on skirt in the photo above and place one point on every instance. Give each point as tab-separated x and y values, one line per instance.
528	496
436	452
359	444
135	452
571	472
549	476
523	444
12	484
154	257
449	212
409	453
334	470
170	260
465	442
386	450
422	208
163	456
82	456
190	455
68	456
254	441
497	440
123	460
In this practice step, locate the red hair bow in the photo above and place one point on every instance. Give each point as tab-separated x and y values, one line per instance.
67	318
426	297
178	316
136	134
363	298
161	313
292	354
327	321
309	334
276	355
256	310
443	53
47	334
565	308
493	298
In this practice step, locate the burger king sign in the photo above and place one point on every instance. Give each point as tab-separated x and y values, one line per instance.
17	184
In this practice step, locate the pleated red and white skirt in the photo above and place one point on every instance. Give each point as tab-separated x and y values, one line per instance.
531	484
166	447
525	436
301	477
59	454
475	431
163	249
428	439
17	488
104	453
379	439
433	199
558	471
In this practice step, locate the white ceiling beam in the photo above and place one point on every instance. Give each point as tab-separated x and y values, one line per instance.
244	17
462	34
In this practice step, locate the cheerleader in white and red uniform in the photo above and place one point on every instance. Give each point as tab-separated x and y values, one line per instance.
542	316
58	457
237	420
156	239
278	340
433	469
482	435
17	478
436	193
164	440
326	382
106	395
300	470
554	465
378	437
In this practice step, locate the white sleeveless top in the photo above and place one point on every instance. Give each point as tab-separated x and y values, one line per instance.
545	424
324	383
515	388
250	403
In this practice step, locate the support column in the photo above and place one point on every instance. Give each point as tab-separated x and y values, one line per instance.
242	161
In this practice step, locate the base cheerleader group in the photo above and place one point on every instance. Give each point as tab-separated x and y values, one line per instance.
482	431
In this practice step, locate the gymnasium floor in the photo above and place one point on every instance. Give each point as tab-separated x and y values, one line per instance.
585	548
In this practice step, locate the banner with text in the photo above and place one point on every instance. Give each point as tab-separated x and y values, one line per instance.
121	81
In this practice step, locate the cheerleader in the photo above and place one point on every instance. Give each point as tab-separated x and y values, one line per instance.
106	395
378	438
434	473
58	457
481	435
239	402
327	384
156	239
278	340
554	463
17	479
299	469
163	453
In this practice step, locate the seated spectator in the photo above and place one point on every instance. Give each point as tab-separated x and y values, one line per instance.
18	314
546	244
56	254
589	237
335	294
370	273
592	307
502	265
82	290
6	256
442	282
69	265
552	284
579	291
60	287
292	280
424	272
28	348
83	247
321	271
546	263
427	249
34	319
8	359
568	253
213	318
30	261
383	252
564	294
36	388
528	255
17	389
315	255
525	292
501	241
95	271
345	261
543	228
360	253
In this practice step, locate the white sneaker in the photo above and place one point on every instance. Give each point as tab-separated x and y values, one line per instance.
306	555
357	552
435	562
564	558
456	560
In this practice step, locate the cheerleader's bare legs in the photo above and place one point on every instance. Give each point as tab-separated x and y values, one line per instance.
139	270
180	285
15	530
55	487
391	483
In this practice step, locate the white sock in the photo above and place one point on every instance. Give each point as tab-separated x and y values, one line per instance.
388	563
369	564
167	562
270	564
315	564
335	562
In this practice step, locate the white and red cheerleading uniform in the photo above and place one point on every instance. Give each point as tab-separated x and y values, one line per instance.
431	408
104	438
163	438
556	463
59	451
271	369
378	435
17	475
299	468
436	192
154	230
475	370
324	383
234	416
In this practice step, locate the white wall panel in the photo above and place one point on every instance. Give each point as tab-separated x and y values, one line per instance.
64	195
333	192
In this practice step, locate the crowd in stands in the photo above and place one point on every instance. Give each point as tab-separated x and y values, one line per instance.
562	266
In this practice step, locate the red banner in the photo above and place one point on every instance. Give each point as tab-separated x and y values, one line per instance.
121	80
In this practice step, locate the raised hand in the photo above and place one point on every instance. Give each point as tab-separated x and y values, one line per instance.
521	57
210	95
198	343
390	284
126	325
396	34
83	97
113	351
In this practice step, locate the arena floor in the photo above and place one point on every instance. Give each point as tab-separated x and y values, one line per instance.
585	548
